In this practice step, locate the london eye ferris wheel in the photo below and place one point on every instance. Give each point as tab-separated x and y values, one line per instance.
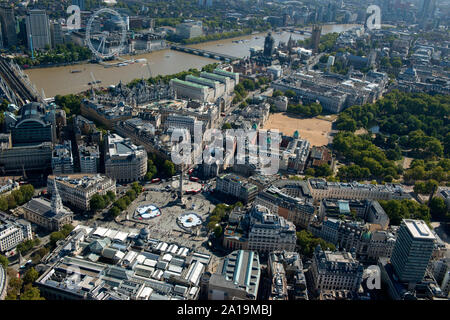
106	44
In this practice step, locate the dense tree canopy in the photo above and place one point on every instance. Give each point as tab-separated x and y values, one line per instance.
418	121
160	167
4	261
405	209
169	168
26	246
311	110
17	197
62	234
31	293
63	53
30	276
220	214
70	103
152	170
97	202
438	209
367	160
307	243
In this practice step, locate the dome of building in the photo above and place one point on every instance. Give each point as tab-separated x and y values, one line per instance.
366	235
144	232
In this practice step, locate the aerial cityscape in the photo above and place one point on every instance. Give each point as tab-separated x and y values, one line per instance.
234	150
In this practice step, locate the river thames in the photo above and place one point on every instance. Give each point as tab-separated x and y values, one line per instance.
60	80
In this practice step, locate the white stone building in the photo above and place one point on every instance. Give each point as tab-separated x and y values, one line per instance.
13	232
269	232
335	271
124	161
78	189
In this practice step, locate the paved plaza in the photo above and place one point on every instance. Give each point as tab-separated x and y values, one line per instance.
165	226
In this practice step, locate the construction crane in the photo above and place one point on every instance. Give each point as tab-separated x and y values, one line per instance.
93	83
31	46
149	70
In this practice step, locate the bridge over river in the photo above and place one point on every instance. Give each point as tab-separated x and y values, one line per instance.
204	53
16	85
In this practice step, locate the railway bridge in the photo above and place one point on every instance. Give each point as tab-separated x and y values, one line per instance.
16	85
204	53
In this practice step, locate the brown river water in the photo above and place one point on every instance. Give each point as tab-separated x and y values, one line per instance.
60	80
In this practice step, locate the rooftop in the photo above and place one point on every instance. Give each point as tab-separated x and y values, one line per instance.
225	73
200	79
80	180
418	229
240	269
43	207
119	146
323	184
127	262
190	84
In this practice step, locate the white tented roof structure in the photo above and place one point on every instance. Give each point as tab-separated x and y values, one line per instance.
145	293
100	231
87	229
195	272
167	257
184	253
174	249
193	291
121	236
140	258
176	269
111	233
163	247
130	256
180	251
150	263
157	274
119	255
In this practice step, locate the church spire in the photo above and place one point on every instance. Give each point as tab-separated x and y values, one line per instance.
290	44
56	199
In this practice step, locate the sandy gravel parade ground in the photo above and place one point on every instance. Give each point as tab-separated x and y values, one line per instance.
314	130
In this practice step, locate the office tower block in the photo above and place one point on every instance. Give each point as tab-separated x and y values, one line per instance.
412	251
190	29
315	38
79	3
124	161
38	29
8	25
1	36
57	35
269	45
62	159
428	7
